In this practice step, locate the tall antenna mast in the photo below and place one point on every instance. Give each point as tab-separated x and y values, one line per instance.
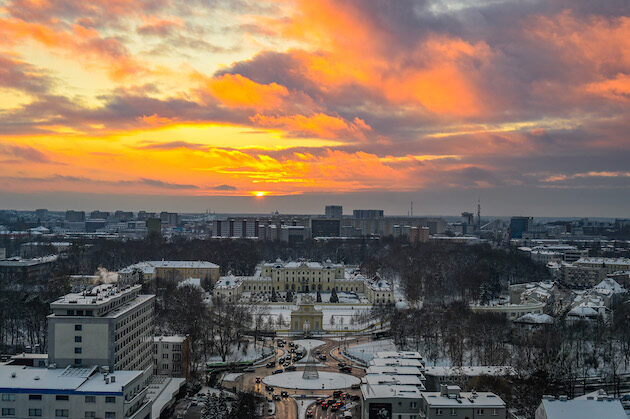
478	214
411	209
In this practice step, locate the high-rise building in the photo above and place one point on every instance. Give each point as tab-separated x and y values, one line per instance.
105	326
520	225
41	213
75	216
101	215
367	213
169	218
334	211
324	227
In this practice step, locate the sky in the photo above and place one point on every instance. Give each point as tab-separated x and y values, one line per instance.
247	106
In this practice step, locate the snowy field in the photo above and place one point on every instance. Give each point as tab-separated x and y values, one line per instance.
241	355
309	344
326	381
366	351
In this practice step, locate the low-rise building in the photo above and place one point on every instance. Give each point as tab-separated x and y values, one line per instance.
586	407
451	402
511	311
390	401
174	270
171	356
73	393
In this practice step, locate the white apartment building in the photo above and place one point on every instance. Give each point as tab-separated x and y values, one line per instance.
453	403
103	326
27	392
171	356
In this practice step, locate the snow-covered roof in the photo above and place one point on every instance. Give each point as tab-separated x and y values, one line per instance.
169	339
394	370
396	362
612	285
583	409
381	391
195	282
228	282
535	318
393	380
465	399
149	267
603	261
79	380
583	311
398	355
17	261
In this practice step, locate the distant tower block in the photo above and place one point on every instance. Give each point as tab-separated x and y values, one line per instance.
310	371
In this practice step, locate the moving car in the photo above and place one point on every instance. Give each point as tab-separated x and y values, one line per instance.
271	364
290	368
347	370
355	386
278	371
258	380
277	398
284	394
269	389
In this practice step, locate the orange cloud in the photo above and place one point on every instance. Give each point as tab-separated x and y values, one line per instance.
80	42
319	124
617	88
234	90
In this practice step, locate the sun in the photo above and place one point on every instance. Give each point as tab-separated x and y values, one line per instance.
260	193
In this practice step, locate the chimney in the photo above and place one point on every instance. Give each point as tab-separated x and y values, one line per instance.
443	390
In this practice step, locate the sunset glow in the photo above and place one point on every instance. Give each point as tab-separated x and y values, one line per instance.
298	97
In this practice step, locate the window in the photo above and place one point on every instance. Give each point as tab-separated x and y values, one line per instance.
413	405
110	399
78	327
90	399
453	412
8	397
439	412
61	413
90	414
164	356
34	396
495	412
62	397
77	361
480	411
109	415
77	350
34	412
8	411
78	339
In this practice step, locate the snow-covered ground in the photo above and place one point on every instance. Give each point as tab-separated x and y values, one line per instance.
326	381
309	344
232	376
239	355
366	351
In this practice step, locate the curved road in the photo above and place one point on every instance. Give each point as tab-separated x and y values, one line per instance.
287	408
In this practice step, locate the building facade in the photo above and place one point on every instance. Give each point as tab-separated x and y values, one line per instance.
171	356
105	326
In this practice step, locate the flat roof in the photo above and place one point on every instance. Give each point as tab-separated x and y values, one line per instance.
19	262
390	379
394	370
395	362
18	379
169	339
469	399
470	371
382	391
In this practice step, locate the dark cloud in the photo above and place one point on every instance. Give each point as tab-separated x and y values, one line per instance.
23	154
224	188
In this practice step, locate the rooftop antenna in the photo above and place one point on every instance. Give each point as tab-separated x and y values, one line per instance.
411	210
478	214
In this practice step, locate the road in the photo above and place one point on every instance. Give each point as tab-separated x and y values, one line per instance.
287	408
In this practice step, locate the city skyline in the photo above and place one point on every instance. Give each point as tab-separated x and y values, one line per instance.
294	104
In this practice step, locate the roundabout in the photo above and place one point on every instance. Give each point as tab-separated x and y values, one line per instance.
326	381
